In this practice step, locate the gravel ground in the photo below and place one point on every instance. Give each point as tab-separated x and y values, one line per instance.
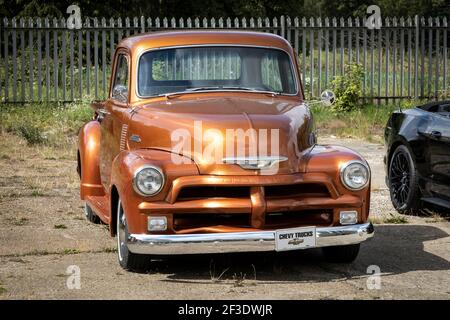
43	232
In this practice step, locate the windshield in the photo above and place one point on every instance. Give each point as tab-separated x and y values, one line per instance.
215	68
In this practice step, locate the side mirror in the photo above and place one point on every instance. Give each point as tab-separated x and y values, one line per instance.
327	97
120	93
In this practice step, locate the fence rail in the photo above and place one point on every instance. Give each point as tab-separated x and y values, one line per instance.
42	60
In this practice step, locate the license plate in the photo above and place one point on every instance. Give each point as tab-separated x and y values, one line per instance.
294	239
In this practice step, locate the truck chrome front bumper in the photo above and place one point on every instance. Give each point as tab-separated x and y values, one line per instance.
168	244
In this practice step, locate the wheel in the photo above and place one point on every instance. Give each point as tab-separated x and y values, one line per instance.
90	214
403	182
343	254
127	259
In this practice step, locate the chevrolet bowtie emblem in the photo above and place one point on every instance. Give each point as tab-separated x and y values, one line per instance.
255	163
296	241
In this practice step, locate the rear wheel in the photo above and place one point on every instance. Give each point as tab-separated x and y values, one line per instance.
342	254
90	214
403	182
127	259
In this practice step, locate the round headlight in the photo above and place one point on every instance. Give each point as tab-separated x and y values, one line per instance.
355	175
148	181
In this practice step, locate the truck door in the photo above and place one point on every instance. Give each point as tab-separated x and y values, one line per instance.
114	117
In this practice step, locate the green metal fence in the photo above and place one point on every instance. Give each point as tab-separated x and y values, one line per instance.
42	60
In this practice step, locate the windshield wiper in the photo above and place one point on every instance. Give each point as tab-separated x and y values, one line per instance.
218	88
202	88
251	89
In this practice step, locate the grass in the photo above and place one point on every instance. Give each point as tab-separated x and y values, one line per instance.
56	125
390	219
367	122
70	251
18	221
36	193
3	290
396	219
53	125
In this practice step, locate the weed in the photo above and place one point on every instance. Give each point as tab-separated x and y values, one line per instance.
37	193
60	226
71	251
392	218
212	272
396	219
434	217
31	134
239	279
3	290
18	221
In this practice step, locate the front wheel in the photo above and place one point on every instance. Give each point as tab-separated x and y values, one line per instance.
127	259
403	182
341	254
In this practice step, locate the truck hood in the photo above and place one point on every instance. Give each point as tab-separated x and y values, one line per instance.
215	130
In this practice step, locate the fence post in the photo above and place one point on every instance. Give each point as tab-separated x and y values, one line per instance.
288	30
6	64
142	24
437	50
88	56
416	56
22	59
283	26
104	86
14	58
444	76
31	67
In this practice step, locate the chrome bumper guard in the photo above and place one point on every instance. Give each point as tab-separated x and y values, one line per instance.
168	244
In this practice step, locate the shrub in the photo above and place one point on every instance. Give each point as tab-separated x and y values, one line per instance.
30	133
50	124
348	88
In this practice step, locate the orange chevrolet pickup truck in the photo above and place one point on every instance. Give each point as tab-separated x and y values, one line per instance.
206	144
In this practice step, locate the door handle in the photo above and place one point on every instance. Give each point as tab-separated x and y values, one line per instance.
436	134
433	134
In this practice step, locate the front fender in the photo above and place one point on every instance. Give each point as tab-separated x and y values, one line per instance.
329	159
123	168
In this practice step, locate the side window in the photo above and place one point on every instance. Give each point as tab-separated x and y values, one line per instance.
120	86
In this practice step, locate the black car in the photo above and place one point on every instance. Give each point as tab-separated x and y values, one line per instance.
417	160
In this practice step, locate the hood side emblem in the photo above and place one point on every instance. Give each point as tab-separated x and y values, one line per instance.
254	163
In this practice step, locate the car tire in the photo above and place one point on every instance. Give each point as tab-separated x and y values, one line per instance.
404	183
90	214
341	254
127	259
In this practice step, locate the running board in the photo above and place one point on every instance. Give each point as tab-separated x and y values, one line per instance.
437	201
100	205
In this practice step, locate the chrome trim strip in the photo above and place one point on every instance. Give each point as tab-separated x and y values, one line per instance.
138	58
168	244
